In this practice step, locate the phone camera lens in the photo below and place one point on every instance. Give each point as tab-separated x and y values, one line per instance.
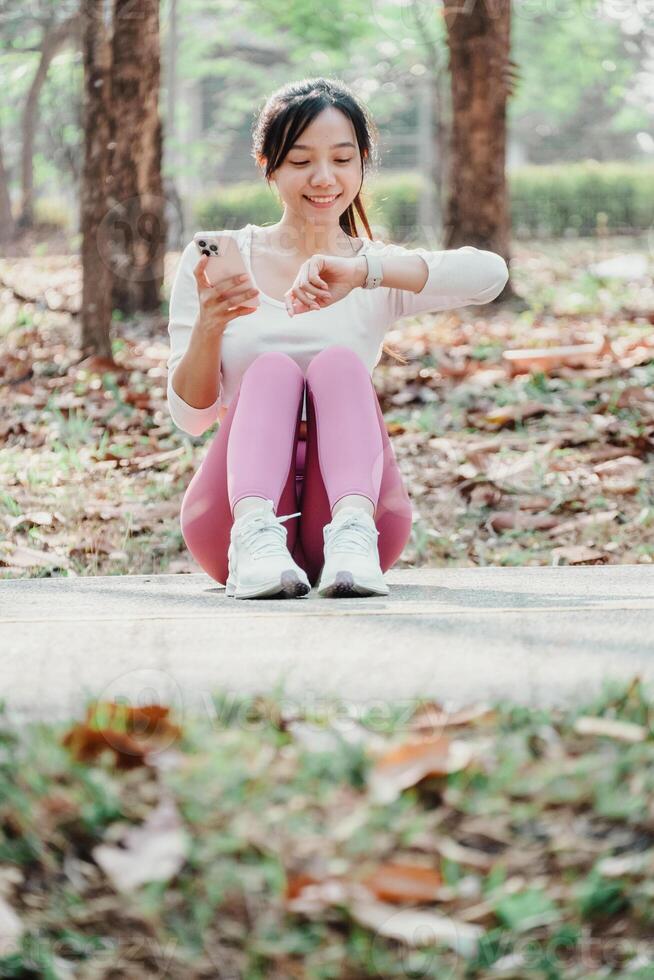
201	243
206	251
214	248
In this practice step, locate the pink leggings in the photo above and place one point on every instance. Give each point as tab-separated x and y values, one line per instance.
256	453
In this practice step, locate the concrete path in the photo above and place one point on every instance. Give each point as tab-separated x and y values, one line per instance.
541	635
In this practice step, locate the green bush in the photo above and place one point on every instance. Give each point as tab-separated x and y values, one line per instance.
577	198
546	201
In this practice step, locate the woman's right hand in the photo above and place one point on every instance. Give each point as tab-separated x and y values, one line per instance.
222	301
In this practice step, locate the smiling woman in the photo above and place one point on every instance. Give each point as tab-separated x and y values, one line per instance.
284	375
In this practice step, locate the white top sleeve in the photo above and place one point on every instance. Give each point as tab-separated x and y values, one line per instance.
183	310
457	277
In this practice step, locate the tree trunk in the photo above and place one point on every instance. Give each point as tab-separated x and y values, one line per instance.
442	129
53	39
96	266
477	209
137	218
7	223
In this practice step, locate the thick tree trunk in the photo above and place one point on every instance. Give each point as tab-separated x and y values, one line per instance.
7	223
53	39
96	265
477	208
137	199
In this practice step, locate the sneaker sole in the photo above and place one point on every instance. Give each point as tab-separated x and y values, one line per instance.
289	586
344	587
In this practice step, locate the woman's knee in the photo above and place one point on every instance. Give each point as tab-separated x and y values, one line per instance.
340	357
275	361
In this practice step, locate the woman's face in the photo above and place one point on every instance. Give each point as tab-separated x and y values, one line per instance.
320	167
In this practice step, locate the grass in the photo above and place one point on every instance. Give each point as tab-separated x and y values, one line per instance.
276	839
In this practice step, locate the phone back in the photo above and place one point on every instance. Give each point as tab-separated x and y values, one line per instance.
225	259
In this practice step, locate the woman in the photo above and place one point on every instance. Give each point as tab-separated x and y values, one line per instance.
301	425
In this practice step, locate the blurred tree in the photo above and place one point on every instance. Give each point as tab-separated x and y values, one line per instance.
7	224
97	274
586	88
46	29
481	76
137	220
53	38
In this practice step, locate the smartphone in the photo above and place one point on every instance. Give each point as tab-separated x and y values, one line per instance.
225	259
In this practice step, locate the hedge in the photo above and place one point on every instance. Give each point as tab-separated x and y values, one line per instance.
553	201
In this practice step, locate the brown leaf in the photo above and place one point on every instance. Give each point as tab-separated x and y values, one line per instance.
508	414
21	557
131	734
510	520
399	882
310	895
431	717
409	763
578	555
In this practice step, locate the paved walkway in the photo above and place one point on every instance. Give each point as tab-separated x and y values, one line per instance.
540	635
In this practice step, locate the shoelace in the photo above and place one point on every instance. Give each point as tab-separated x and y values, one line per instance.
352	534
266	529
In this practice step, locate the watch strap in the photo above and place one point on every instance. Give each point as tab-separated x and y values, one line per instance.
375	272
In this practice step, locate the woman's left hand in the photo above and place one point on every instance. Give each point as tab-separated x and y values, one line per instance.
323	280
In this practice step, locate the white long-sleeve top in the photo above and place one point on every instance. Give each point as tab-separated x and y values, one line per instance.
457	277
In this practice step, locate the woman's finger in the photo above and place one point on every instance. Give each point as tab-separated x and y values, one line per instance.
305	295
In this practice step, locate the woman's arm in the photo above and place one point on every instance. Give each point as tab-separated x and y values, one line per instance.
190	402
454	277
399	272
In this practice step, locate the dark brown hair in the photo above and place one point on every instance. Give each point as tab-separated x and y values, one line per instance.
290	110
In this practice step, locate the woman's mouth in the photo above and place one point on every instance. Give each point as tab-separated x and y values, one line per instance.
322	201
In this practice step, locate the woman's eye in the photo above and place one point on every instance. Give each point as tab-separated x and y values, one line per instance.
302	163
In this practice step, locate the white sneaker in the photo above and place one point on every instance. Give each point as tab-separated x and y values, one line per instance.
260	565
351	557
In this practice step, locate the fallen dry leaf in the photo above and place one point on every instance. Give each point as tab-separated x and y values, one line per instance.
417	928
11	929
578	555
133	734
431	717
155	851
510	520
640	864
546	358
407	764
401	882
468	856
624	731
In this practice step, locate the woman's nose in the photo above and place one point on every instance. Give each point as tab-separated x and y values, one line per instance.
322	177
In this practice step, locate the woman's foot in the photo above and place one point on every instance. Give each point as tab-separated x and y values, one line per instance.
260	565
351	566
